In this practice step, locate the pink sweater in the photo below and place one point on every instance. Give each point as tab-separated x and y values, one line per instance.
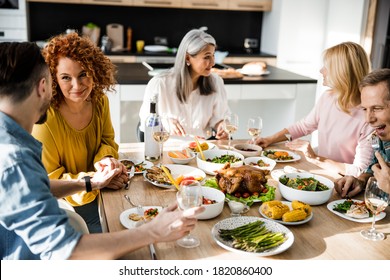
341	137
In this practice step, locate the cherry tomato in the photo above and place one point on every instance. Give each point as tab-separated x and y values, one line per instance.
192	145
237	194
265	190
256	194
245	195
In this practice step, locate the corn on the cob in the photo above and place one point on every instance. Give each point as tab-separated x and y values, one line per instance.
267	205
294	215
296	204
276	212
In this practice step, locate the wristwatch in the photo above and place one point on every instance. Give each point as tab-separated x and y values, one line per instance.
88	186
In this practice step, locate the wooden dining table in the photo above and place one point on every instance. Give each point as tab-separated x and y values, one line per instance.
326	236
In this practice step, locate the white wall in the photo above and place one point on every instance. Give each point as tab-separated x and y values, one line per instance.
297	31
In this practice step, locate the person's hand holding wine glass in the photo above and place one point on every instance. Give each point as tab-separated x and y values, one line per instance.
161	131
255	126
230	125
189	196
376	200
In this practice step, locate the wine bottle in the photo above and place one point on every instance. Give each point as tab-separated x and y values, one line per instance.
152	150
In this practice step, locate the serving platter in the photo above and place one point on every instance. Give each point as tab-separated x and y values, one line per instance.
234	222
127	222
176	171
332	204
295	156
242	71
288	203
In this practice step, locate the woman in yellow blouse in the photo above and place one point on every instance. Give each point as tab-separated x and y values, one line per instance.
78	136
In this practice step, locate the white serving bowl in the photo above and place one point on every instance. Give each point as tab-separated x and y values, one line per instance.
182	160
248	150
212	210
309	197
211	167
271	163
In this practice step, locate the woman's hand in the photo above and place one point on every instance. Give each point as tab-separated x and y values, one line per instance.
262	142
382	172
303	146
176	127
110	173
221	133
348	186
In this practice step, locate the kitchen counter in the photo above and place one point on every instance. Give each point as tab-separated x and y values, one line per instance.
137	73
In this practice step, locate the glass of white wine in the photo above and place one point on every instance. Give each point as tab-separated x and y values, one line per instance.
376	200
161	132
189	196
230	125
255	126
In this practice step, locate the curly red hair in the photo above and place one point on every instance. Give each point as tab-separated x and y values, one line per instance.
91	59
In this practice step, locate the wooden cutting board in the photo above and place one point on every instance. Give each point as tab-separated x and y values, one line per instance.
115	33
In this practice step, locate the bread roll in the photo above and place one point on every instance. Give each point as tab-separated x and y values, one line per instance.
254	68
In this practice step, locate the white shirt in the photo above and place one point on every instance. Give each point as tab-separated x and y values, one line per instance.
196	115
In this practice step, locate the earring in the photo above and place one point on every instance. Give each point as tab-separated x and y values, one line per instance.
188	64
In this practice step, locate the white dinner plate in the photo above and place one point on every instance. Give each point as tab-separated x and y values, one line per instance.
288	203
330	206
266	160
176	171
127	222
242	71
155	48
211	146
234	222
147	164
295	156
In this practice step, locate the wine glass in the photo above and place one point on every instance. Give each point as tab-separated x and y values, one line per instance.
230	125
376	200
161	132
255	126
188	196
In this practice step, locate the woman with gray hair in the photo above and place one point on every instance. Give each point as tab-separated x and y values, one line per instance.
191	96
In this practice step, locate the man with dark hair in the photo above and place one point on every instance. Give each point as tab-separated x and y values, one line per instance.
32	226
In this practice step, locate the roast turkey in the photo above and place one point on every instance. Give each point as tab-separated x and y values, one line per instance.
241	179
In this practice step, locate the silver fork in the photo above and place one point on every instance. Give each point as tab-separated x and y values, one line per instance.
140	209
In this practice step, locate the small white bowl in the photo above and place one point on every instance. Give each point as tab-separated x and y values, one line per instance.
248	150
212	210
182	160
270	162
309	197
210	167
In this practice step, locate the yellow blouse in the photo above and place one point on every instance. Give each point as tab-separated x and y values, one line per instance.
69	153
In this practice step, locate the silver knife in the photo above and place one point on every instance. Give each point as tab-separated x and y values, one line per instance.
131	175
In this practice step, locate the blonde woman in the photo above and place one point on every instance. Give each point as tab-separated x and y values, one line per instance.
342	130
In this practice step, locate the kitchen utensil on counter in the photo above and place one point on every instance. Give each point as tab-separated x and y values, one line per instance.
129	37
115	32
106	44
220	56
140	45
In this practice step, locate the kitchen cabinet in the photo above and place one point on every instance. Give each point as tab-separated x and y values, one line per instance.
158	3
206	4
250	5
108	2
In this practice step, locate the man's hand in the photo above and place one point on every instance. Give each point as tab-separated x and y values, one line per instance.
349	186
382	173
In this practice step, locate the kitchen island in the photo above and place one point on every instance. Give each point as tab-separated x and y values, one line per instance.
280	98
